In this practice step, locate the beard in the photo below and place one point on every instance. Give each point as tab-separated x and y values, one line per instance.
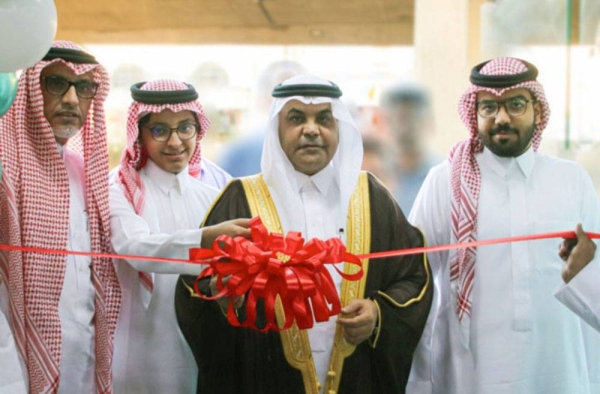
65	132
508	148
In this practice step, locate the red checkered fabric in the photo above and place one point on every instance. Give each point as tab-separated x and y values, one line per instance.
34	212
466	177
134	156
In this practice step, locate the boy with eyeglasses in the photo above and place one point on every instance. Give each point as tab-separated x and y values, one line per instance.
157	206
57	312
497	325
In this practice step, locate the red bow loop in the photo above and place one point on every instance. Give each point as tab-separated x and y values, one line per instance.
271	266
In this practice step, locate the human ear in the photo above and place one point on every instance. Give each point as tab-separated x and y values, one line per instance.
537	113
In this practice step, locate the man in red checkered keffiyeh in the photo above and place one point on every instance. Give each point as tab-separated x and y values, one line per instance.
496	327
466	178
62	310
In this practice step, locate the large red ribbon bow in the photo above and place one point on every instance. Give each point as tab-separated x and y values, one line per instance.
272	265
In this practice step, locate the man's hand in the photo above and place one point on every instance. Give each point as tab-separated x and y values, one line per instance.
576	253
224	301
233	228
358	319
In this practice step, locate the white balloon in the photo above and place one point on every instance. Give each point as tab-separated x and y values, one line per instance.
27	30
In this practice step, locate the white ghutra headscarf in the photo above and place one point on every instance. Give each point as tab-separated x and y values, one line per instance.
278	171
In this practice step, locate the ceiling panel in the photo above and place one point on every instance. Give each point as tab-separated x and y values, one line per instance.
375	22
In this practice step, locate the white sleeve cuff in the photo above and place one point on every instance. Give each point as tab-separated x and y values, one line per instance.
582	294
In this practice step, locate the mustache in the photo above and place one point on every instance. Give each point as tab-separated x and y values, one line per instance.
505	129
313	143
174	151
68	112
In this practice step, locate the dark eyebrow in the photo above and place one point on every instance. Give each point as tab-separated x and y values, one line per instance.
508	98
87	79
518	96
183	121
295	111
76	79
187	120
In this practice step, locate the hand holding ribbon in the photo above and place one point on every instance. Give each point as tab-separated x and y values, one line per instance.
272	265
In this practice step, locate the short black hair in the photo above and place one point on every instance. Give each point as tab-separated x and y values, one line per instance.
405	93
144	120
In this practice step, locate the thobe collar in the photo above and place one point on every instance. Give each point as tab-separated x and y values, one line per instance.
165	180
501	165
61	150
322	179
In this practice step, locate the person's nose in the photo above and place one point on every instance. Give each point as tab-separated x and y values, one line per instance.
70	96
174	139
502	117
311	129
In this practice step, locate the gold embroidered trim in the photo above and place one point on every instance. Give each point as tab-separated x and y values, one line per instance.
423	290
190	289
194	295
260	202
374	341
295	342
213	203
358	241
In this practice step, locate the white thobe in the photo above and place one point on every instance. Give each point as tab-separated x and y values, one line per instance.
213	175
210	174
522	339
582	293
151	355
320	204
75	308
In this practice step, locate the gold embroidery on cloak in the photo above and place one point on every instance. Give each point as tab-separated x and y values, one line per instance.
358	241
295	342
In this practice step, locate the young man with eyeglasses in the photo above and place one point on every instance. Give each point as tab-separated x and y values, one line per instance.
57	312
497	325
157	206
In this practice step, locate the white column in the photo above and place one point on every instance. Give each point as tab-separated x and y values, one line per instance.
447	46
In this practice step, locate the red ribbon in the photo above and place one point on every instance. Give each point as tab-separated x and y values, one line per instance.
375	255
271	265
257	267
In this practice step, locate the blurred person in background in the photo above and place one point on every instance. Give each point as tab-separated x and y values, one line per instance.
242	157
406	111
378	159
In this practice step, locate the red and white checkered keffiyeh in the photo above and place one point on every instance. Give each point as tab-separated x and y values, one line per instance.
134	156
466	177
34	212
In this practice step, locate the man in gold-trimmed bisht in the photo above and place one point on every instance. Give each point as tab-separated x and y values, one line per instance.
311	183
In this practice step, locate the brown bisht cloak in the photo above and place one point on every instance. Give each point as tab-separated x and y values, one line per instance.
240	360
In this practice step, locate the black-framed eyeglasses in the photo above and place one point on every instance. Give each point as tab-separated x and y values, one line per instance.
58	86
162	132
515	106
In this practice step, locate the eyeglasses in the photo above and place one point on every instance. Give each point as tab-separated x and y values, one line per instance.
162	132
58	86
515	106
